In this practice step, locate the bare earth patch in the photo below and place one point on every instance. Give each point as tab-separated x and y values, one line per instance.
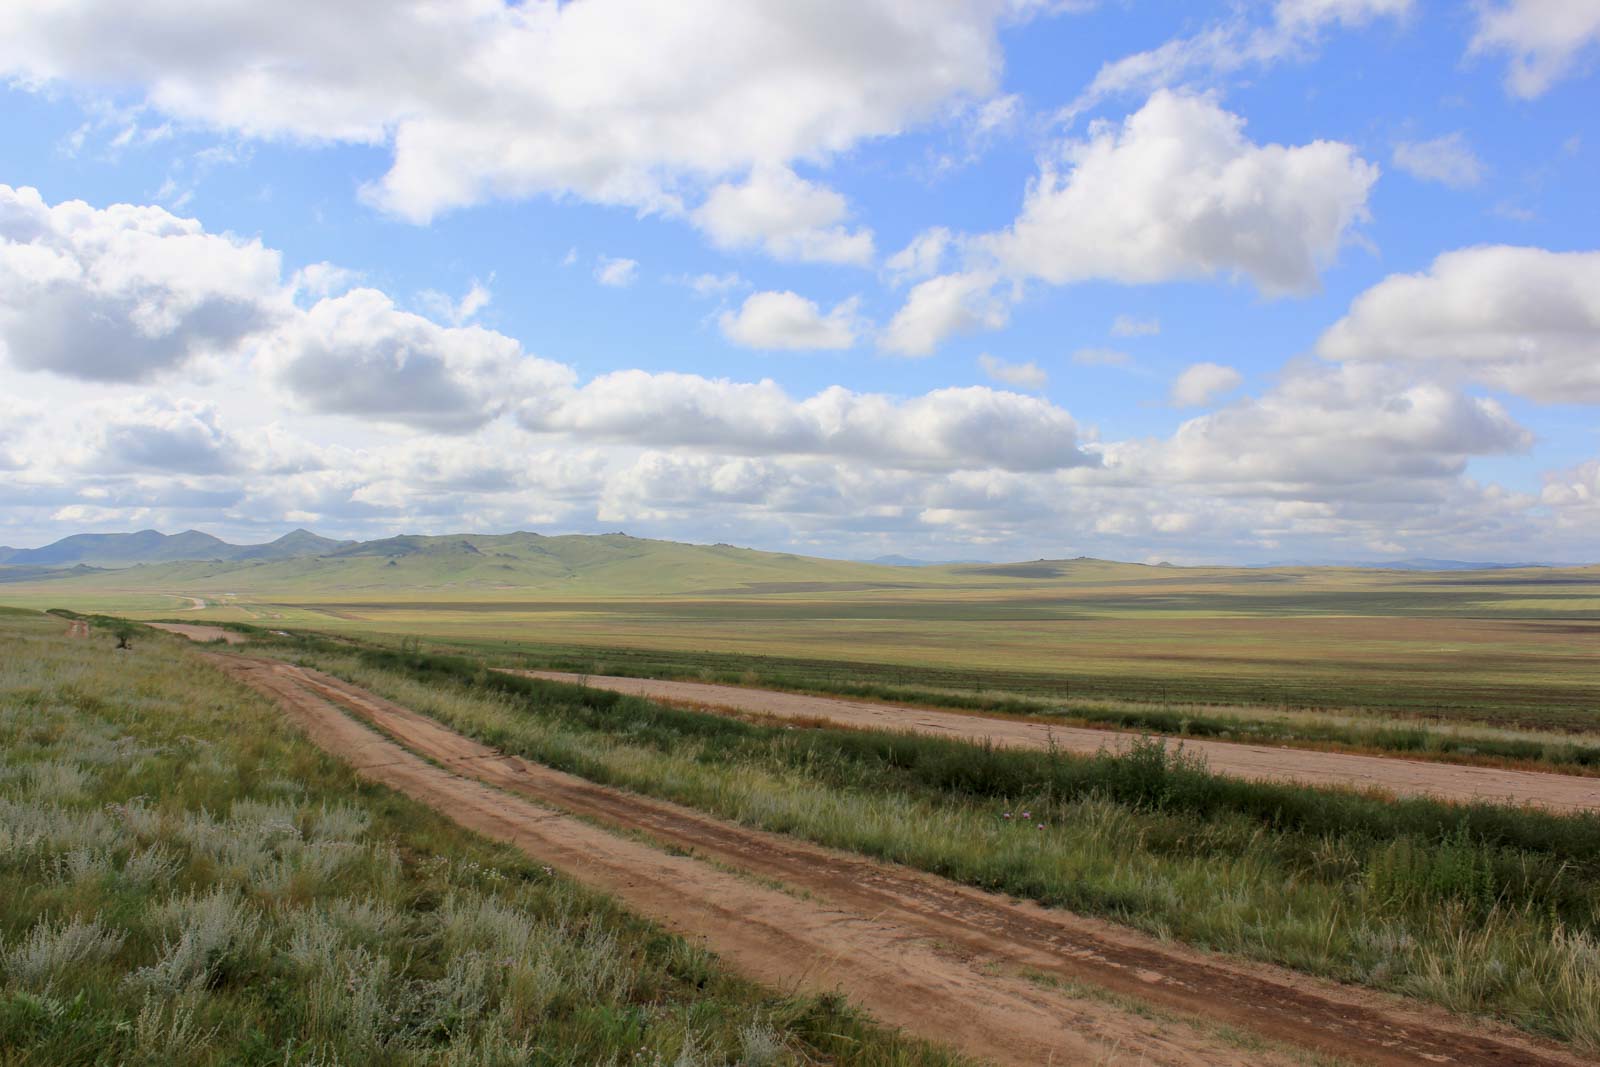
1401	777
197	632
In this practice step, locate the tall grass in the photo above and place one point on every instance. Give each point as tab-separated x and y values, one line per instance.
187	881
1482	909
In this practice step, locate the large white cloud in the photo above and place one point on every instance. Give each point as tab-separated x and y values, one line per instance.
1544	38
618	101
359	355
1525	320
947	429
1178	191
124	293
1328	433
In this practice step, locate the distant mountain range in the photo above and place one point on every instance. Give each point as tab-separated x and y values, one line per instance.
83	552
150	546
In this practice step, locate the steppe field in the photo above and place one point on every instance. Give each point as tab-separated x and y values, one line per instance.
606	800
1509	647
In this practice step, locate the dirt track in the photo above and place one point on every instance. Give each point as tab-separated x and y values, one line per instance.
944	961
1401	777
198	632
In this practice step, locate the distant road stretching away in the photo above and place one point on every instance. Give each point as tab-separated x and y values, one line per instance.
1402	777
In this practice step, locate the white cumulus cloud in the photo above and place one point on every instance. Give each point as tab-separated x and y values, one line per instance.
126	292
1323	430
947	429
785	320
359	355
791	218
617	101
1201	383
1544	39
1178	191
942	307
1524	320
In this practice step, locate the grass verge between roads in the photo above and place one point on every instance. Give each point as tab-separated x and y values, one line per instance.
1482	909
1453	738
189	881
1341	730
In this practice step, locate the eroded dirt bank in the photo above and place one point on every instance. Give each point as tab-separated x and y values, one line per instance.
944	961
1401	777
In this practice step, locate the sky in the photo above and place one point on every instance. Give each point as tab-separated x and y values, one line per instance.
1304	280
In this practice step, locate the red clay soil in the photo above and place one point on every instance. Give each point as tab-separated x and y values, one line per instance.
944	961
1400	777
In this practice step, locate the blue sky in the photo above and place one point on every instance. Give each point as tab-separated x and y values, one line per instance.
1313	279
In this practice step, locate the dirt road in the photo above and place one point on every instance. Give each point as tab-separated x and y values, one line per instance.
944	961
198	632
1400	777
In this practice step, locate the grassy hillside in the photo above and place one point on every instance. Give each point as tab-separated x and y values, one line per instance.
494	567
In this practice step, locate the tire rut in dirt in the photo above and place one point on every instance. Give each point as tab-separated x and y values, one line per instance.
983	931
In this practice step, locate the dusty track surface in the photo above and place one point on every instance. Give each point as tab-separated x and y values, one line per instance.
944	961
198	632
1401	777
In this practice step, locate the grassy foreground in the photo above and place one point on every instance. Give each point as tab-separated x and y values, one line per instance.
1482	909
188	881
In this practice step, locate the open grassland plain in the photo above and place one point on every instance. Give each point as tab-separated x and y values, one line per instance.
187	880
1486	911
1508	648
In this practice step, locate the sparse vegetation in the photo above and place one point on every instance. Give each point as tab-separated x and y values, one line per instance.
189	882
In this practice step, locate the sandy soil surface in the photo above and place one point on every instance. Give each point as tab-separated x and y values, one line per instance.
944	961
197	632
1401	777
